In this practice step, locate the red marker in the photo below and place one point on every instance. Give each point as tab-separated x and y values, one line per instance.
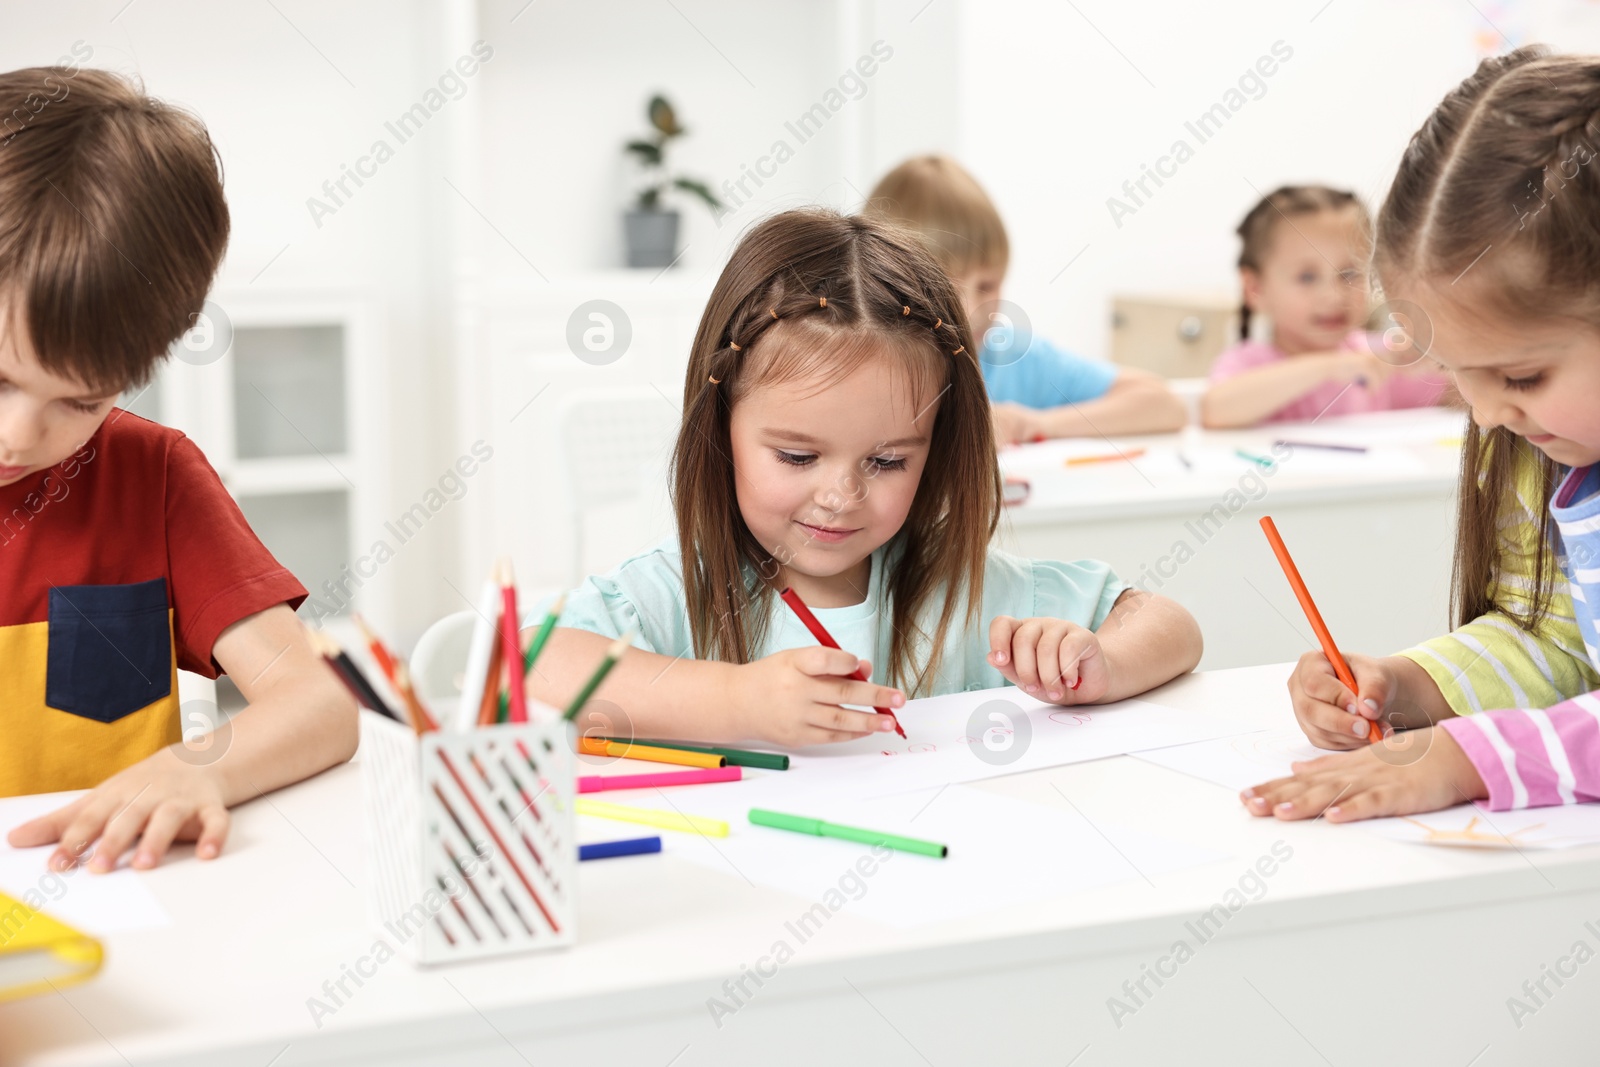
792	598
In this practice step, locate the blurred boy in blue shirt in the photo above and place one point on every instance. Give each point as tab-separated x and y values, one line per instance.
1036	390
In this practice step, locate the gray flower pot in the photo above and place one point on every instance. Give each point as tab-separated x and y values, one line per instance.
652	237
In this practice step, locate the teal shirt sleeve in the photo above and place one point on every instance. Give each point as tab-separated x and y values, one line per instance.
645	592
1082	591
1043	376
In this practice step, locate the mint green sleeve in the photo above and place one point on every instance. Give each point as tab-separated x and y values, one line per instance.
644	593
1083	591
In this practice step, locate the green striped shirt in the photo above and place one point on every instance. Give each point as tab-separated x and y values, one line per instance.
1491	662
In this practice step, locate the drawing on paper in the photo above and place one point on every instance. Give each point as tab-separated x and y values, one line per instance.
1472	837
1275	749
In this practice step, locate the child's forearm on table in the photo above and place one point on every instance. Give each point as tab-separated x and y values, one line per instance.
1147	640
657	696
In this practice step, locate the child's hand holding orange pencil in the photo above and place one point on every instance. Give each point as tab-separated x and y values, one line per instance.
1050	659
1334	717
1329	713
794	697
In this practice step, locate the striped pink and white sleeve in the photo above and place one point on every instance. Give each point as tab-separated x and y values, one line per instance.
1532	758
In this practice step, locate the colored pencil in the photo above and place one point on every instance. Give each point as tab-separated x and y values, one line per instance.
385	659
801	825
1260	461
421	721
1322	445
599	783
613	653
633	846
798	606
489	699
1109	457
1302	594
326	647
510	642
477	677
596	746
736	757
661	820
543	634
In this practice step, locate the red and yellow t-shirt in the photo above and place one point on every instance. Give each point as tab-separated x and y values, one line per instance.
120	564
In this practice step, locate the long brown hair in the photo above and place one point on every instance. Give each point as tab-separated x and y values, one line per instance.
802	294
1506	162
1287	203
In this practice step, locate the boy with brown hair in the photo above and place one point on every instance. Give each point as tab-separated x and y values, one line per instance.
1035	389
124	558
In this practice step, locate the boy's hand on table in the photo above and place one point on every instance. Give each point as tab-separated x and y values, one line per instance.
1051	659
152	803
1406	773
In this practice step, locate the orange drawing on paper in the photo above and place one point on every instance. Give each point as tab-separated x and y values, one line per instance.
1470	836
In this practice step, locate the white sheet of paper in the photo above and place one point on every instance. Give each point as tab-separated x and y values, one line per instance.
1003	851
966	737
1470	826
1250	759
1411	426
93	903
1238	762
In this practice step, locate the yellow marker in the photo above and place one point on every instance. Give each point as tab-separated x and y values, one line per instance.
1448	442
661	820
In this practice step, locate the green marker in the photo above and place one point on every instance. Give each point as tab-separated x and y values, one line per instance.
736	757
802	825
1260	461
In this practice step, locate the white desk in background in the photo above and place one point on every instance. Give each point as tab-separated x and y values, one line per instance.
1359	950
1372	533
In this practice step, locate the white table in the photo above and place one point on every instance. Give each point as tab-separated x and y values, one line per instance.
1373	536
1362	951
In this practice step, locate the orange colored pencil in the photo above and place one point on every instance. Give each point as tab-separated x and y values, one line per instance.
1313	616
1110	457
421	721
387	661
490	703
594	746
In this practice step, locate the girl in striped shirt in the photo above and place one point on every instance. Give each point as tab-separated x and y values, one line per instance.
1492	230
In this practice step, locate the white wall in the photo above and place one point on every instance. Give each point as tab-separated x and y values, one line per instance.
1054	120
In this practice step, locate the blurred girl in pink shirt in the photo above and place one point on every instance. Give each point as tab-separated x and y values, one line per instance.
1303	267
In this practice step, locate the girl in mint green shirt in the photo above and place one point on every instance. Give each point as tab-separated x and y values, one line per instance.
836	439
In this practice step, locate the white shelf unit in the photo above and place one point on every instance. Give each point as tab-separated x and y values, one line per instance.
289	420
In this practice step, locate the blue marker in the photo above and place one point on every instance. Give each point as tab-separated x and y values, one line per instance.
633	846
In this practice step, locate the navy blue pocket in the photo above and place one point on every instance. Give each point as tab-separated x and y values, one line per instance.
110	650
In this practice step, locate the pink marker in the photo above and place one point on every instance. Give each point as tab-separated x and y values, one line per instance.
597	783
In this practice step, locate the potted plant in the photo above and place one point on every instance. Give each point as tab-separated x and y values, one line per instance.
652	231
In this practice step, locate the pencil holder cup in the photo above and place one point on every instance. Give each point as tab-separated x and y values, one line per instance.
470	838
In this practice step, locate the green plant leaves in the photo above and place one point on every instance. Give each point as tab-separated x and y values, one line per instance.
689	185
649	152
